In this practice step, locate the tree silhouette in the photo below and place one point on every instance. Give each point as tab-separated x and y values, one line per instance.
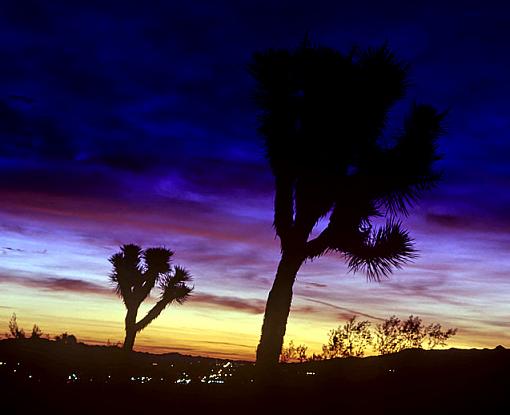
388	337
349	340
135	273
322	118
67	339
394	335
293	353
14	331
36	332
437	337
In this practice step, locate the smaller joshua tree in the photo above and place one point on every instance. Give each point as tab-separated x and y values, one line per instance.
135	273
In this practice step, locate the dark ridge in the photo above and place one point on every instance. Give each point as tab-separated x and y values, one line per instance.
43	375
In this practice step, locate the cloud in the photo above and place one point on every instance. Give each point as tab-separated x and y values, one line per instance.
57	284
249	346
480	220
347	310
26	133
159	216
251	306
447	221
243	305
316	284
435	289
8	249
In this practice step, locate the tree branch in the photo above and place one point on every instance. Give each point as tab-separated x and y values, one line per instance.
153	313
319	245
150	278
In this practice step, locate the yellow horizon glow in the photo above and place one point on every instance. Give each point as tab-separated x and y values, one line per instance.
187	329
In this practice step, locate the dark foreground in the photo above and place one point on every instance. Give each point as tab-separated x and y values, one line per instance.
46	377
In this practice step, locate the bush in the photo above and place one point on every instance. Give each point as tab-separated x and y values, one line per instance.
348	340
394	335
293	353
65	338
14	331
36	332
391	336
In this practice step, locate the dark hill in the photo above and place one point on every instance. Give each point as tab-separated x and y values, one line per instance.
54	361
45	375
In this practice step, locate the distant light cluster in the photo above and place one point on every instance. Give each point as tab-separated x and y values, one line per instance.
184	379
220	374
141	379
73	377
177	373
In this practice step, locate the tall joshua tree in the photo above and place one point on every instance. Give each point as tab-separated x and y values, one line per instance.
322	118
135	273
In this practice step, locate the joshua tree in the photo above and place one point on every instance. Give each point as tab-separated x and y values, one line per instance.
322	118
135	273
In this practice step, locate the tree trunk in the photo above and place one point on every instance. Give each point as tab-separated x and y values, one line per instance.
130	326
277	313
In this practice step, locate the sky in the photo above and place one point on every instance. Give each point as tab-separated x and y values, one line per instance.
134	122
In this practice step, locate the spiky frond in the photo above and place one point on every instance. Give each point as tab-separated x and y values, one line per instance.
158	259
406	170
380	251
132	255
157	263
127	271
290	93
384	76
173	285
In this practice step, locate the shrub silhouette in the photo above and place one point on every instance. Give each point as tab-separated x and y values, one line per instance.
322	119
394	335
135	273
68	339
349	340
391	336
36	332
14	331
293	353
